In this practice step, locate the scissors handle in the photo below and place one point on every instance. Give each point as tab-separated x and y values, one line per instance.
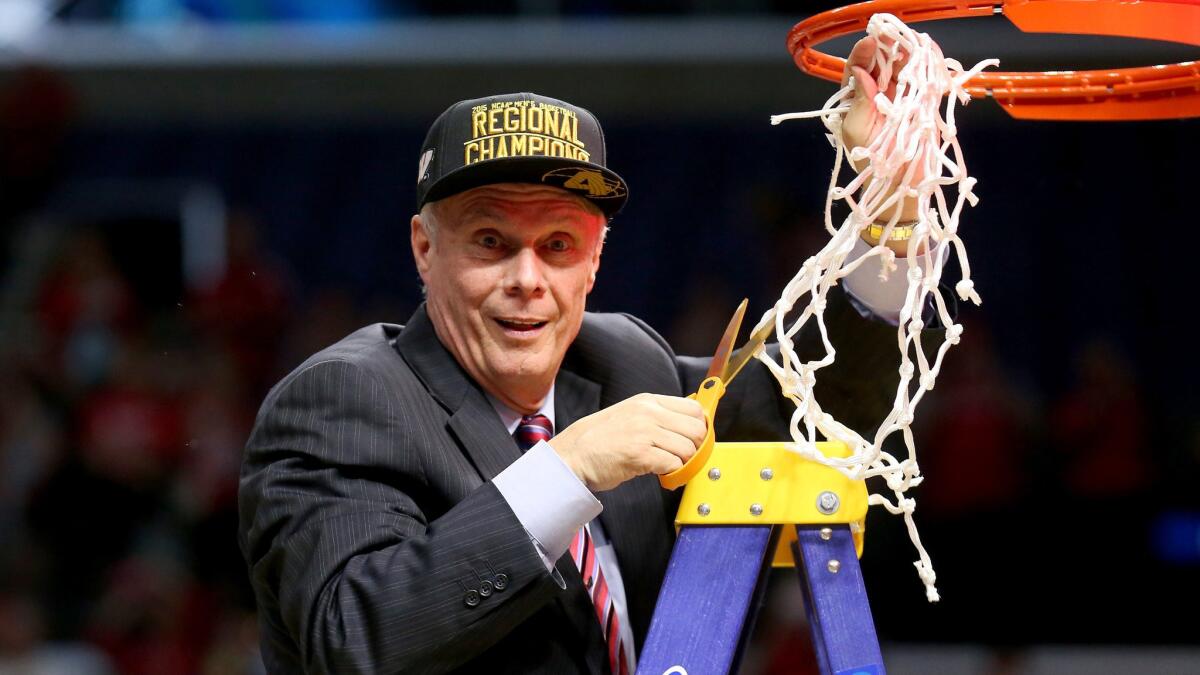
710	392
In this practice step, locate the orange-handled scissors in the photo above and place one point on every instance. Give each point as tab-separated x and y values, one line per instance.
721	372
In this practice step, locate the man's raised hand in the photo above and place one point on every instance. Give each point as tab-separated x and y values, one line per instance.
863	120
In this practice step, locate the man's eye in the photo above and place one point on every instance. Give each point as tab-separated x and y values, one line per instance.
559	245
489	241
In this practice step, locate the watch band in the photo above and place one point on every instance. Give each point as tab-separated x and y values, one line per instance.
901	232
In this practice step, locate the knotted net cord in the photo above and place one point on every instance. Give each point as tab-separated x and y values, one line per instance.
917	151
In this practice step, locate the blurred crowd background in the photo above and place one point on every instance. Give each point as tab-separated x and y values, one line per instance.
182	225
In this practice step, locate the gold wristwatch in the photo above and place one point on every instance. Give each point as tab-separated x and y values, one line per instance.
902	231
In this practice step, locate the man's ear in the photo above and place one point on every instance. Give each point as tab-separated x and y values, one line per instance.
421	246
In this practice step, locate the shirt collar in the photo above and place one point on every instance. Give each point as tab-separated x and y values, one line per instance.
511	418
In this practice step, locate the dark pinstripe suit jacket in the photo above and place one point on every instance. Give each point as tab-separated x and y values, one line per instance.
369	522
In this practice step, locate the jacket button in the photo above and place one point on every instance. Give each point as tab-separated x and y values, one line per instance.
501	581
471	599
485	588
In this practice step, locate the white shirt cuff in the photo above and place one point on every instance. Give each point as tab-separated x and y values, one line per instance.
549	500
884	298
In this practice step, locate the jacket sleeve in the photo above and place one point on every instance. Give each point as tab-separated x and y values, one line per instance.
340	551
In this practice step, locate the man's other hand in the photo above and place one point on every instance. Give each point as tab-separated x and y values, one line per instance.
647	433
863	120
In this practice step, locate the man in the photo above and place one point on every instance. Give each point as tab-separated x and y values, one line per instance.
476	490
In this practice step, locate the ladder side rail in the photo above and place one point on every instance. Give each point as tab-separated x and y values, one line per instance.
843	631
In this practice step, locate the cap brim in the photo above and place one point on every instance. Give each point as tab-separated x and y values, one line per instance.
593	182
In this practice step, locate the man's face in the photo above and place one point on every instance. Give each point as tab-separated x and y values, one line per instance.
507	272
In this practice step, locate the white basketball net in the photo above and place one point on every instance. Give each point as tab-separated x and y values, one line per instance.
915	141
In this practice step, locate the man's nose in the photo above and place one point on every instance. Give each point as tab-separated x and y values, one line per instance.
525	275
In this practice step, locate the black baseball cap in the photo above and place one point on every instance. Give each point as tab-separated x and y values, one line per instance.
518	138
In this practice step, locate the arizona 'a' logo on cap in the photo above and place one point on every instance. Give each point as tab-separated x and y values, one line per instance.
589	181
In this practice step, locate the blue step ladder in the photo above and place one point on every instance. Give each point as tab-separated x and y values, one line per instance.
753	506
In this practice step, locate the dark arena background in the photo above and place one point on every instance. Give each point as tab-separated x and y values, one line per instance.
197	194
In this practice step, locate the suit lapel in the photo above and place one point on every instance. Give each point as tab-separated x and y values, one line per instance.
473	421
483	436
575	397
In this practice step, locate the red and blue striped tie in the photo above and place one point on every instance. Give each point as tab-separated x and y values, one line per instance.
534	428
583	552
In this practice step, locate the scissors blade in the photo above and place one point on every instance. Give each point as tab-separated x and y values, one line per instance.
746	352
721	356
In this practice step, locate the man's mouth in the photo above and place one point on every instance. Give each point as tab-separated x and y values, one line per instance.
520	325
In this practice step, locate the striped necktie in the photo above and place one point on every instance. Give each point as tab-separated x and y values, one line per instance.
530	430
583	552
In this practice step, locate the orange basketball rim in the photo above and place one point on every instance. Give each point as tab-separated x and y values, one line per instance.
1149	92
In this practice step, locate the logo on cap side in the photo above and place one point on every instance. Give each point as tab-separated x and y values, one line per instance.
589	181
423	165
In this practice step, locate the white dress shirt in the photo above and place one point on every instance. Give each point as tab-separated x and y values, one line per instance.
884	299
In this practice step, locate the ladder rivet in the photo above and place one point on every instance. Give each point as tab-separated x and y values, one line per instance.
826	533
714	473
828	503
766	474
703	509
834	566
756	509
